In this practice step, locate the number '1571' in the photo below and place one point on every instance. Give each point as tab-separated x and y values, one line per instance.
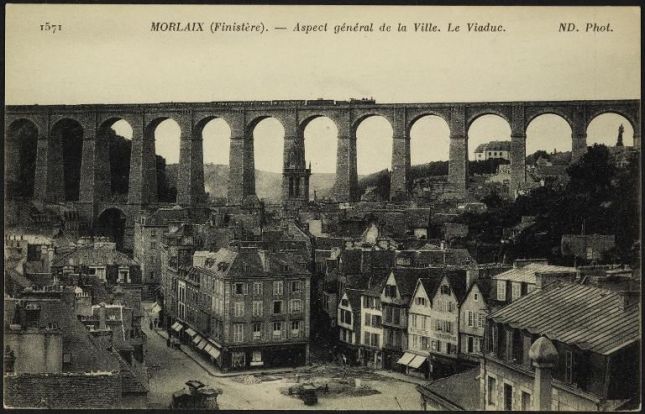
48	27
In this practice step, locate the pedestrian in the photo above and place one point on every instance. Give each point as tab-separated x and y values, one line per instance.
168	342
156	322
151	325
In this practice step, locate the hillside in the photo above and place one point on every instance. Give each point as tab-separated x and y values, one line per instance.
268	185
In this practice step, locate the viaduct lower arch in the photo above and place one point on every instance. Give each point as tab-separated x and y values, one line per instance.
293	115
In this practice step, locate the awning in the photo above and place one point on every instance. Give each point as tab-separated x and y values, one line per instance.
190	332
197	339
176	327
155	308
202	344
405	359
417	361
212	351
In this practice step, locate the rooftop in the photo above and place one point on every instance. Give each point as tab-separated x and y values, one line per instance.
589	317
527	273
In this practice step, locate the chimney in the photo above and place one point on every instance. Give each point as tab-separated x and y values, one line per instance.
102	324
628	298
543	279
472	274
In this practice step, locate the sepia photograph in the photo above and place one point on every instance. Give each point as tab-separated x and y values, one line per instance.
299	207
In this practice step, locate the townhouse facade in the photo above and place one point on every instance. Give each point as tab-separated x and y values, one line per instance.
596	344
258	309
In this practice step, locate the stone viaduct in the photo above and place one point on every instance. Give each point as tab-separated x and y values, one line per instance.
294	116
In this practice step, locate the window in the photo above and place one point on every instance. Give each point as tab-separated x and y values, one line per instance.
517	291
238	332
526	401
491	391
257	288
477	346
240	288
295	286
345	316
508	397
295	328
471	344
445	290
256	357
344	303
451	307
277	288
481	320
476	297
238	359
257	308
568	372
239	309
589	253
153	245
421	301
67	358
469	315
295	306
390	291
277	329
501	290
257	330
424	343
376	321
277	307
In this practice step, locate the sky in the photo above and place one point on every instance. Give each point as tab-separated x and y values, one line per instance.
108	54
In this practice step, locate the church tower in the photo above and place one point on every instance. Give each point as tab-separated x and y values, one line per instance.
295	176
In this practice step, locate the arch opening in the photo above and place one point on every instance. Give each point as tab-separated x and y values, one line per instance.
489	144
117	134
374	135
69	133
111	223
605	129
267	134
320	135
216	135
548	137
165	133
21	152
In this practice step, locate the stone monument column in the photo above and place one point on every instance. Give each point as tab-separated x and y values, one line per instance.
544	357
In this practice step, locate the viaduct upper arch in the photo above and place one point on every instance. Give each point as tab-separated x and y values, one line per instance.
293	115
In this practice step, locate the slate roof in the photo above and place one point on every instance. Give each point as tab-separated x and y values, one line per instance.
406	279
252	262
88	255
586	316
438	257
527	273
494	146
457	280
461	389
430	285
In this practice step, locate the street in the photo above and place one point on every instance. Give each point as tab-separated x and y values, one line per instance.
170	368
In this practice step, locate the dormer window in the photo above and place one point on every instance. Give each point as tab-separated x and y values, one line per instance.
390	291
445	290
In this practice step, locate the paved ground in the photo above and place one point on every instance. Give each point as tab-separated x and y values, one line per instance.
170	369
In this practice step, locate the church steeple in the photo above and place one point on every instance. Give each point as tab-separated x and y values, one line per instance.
619	141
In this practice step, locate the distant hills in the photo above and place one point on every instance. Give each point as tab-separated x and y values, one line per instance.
268	185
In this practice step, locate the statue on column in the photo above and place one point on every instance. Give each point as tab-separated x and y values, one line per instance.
619	142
